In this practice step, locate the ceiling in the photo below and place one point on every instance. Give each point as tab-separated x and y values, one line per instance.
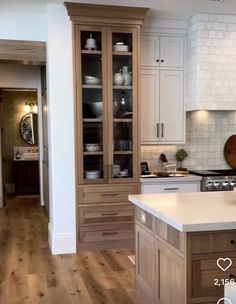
159	8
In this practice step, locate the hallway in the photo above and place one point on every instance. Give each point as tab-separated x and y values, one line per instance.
29	274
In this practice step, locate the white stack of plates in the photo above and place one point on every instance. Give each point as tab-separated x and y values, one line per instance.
92	174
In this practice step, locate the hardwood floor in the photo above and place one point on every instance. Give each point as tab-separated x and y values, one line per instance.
29	274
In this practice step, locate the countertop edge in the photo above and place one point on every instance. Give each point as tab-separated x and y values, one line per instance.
200	227
184	179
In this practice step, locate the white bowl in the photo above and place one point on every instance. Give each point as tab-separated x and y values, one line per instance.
121	48
97	108
93	174
91	80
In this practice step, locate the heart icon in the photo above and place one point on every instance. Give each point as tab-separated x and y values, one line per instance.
224	301
224	264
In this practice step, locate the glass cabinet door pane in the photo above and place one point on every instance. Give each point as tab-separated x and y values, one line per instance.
92	104
122	98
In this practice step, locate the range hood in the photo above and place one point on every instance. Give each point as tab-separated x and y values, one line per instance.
211	63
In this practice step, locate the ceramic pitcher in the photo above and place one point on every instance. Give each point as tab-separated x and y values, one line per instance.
126	75
118	79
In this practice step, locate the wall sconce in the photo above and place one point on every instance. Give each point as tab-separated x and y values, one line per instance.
30	107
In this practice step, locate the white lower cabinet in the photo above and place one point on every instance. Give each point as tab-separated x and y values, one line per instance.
162	106
171	187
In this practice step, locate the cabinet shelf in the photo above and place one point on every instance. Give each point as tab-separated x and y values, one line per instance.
92	86
123	120
122	53
92	120
94	153
91	52
123	152
122	87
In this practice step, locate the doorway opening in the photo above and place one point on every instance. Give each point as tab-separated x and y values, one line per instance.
20	143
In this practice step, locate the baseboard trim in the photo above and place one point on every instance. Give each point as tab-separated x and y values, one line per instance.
61	243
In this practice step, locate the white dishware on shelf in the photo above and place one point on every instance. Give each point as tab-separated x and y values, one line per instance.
91	80
93	174
118	79
116	170
124	172
120	47
90	43
96	108
126	75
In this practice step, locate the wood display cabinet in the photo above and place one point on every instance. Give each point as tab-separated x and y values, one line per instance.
106	65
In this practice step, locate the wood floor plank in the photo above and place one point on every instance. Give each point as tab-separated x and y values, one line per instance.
30	274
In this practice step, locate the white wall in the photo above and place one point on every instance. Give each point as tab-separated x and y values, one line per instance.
19	76
22	26
62	227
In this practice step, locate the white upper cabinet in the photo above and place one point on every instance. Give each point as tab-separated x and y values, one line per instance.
150	51
162	51
162	107
172	117
171	52
149	105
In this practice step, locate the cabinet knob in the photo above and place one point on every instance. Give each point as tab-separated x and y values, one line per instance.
232	242
157	60
162	60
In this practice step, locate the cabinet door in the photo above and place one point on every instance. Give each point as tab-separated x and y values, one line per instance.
172	116
150	51
149	106
91	88
144	265
123	112
171	52
169	275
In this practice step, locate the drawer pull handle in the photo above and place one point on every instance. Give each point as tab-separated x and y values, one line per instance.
109	233
232	242
232	275
109	194
171	188
104	214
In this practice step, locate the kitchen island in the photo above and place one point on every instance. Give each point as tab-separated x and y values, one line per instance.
179	238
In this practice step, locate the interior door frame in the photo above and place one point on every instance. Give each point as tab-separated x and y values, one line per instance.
24	53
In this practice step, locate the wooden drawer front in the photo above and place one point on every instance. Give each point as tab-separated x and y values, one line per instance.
205	272
213	242
121	213
144	218
106	193
106	233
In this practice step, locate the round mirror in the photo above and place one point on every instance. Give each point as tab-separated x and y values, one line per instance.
29	128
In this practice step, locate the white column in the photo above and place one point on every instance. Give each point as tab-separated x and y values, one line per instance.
62	226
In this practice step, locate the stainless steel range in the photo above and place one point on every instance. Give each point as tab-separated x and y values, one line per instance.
217	180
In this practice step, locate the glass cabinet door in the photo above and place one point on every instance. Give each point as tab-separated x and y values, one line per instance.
124	103
92	94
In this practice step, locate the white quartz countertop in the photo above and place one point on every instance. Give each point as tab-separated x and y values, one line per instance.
189	212
180	179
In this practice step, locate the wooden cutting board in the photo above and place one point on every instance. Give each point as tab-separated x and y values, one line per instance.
230	151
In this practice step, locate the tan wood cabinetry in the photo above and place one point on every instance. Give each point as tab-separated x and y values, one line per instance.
180	268
106	69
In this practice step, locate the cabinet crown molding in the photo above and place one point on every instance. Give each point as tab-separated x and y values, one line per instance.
77	11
